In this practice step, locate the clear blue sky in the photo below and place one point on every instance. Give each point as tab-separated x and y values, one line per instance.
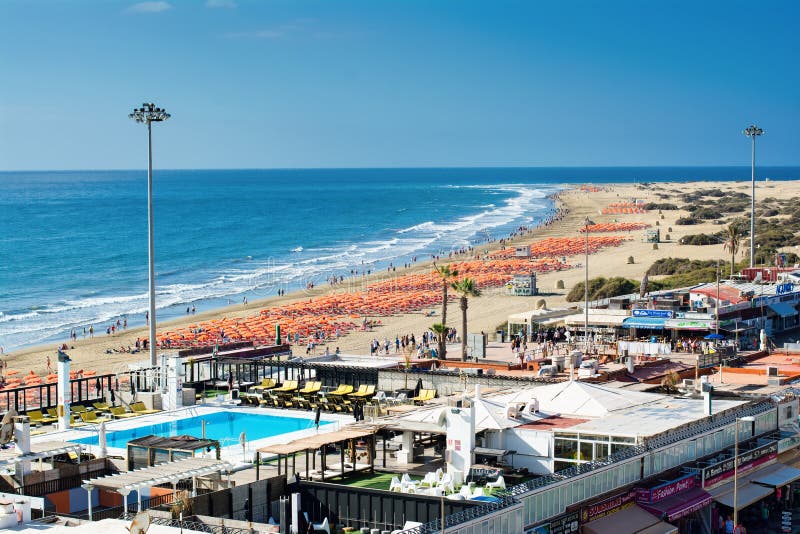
340	83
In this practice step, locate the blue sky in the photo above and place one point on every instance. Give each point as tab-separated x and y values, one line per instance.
340	83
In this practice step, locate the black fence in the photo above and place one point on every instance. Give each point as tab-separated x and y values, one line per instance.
363	507
46	487
43	396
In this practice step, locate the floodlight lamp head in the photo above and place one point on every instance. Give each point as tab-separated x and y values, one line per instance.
753	131
149	113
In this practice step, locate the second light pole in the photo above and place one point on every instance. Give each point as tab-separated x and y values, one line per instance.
149	114
586	225
752	132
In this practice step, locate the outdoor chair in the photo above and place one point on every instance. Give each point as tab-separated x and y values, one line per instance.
266	383
37	417
91	417
141	409
429	480
101	406
118	412
395	484
500	483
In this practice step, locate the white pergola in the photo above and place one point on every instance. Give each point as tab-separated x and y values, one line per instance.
170	472
38	451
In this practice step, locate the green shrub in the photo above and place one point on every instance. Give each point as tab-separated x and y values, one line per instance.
660	206
699	239
685	221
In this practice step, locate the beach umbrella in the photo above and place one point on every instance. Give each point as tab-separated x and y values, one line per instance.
643	286
113	396
418	387
317	416
714	336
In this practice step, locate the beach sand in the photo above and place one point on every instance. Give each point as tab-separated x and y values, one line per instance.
485	312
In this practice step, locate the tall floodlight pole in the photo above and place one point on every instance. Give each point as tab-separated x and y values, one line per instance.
149	114
752	132
586	225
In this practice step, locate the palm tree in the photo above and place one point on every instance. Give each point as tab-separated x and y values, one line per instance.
733	240
466	288
440	330
446	273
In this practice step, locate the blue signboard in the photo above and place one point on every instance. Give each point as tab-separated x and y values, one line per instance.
663	314
782	289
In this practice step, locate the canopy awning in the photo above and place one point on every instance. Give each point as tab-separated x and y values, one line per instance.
680	505
497	453
652	323
776	475
630	519
315	442
784	309
170	472
747	494
595	319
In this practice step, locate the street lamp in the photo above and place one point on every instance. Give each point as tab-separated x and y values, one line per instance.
749	419
149	114
586	225
752	132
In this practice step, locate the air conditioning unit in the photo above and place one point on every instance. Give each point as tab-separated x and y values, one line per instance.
772	371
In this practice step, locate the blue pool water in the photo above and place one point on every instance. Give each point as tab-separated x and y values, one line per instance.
223	426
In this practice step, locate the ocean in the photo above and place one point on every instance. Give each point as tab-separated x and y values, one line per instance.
74	243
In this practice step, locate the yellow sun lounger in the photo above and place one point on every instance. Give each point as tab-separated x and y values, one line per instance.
36	416
141	409
343	389
91	417
266	383
118	412
287	387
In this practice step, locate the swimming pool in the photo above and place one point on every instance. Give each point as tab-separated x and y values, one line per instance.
224	426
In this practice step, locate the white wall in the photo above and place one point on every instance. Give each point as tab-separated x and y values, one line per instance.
534	449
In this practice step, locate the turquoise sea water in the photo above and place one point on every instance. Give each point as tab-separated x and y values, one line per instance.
73	245
222	426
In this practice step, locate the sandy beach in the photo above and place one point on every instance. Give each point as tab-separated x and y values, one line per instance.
493	307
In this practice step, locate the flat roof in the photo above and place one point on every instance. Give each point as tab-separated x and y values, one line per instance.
653	418
184	443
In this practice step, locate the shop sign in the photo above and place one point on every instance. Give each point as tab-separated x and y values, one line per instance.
695	315
659	493
683	324
788	443
663	314
747	460
782	289
563	524
607	507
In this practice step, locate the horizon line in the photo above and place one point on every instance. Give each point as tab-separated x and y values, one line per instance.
432	167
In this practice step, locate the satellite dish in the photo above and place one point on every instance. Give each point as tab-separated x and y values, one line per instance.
140	523
7	427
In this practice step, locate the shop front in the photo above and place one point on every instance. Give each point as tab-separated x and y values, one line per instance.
676	501
621	514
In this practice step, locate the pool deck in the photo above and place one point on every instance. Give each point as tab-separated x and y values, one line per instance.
230	448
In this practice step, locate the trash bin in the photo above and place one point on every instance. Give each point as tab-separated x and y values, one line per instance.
501	334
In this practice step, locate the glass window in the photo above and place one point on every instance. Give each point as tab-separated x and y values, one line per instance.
565	449
586	451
